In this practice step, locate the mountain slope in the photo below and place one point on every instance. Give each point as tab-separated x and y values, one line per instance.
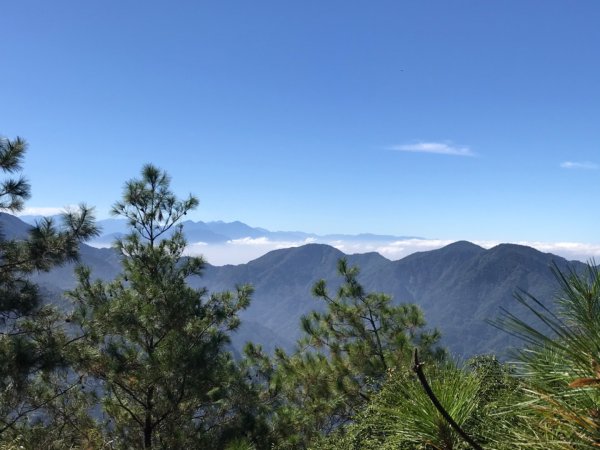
459	286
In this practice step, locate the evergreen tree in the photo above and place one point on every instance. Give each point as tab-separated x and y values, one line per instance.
342	359
560	365
365	332
402	416
32	339
155	345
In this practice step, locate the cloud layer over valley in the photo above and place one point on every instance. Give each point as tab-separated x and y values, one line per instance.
224	243
239	251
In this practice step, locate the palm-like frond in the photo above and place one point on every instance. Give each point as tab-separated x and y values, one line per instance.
560	364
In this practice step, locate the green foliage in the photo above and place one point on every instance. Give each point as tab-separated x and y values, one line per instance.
549	401
560	365
155	345
240	444
149	206
401	415
142	361
64	422
13	191
364	331
341	361
33	344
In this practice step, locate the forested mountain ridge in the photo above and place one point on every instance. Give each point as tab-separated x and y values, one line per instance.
459	286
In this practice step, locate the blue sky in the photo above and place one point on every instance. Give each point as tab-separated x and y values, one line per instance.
449	120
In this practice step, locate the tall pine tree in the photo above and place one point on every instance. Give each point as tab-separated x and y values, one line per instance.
32	339
343	358
155	345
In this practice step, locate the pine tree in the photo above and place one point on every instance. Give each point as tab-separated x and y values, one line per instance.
32	340
155	345
342	359
559	365
401	415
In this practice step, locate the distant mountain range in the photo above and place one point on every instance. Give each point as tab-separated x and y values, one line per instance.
221	232
458	286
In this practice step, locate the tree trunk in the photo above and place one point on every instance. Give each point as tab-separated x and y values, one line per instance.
148	421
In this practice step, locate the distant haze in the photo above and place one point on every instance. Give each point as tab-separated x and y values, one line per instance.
224	243
459	286
239	252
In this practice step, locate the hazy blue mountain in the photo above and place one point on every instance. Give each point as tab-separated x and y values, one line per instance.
29	219
235	230
107	240
113	226
458	286
462	285
218	232
12	227
283	280
221	232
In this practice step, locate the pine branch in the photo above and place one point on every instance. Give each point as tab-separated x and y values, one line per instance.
418	369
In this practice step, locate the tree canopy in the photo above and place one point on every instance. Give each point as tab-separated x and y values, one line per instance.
144	361
155	345
342	359
32	340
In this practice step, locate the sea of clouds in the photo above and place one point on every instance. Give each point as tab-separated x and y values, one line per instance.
239	251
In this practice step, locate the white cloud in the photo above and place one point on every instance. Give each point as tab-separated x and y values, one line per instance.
97	244
250	241
195	247
43	210
400	249
264	241
581	251
350	247
440	148
239	251
586	165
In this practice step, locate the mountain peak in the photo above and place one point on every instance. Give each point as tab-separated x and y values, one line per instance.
308	253
464	246
459	249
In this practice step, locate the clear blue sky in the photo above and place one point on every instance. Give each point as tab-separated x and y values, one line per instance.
443	119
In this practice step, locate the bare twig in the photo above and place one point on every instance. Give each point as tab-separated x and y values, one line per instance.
418	369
